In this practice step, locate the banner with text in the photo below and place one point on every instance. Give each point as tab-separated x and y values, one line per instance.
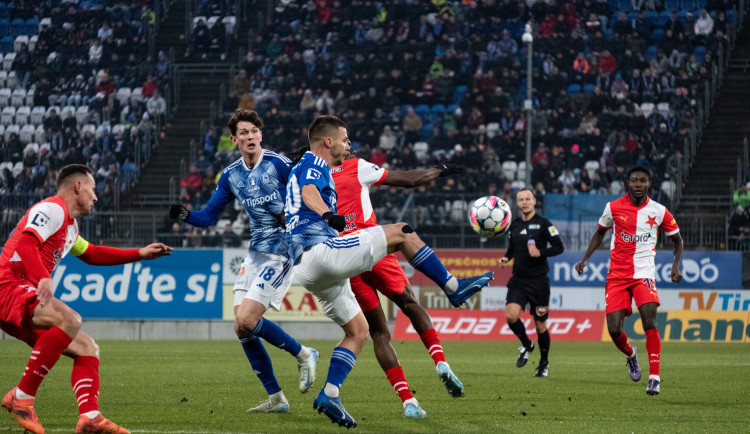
462	263
693	326
186	285
478	325
701	270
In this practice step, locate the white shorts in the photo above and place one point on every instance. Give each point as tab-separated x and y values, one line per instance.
325	268
265	278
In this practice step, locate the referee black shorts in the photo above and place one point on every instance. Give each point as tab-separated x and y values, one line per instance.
534	291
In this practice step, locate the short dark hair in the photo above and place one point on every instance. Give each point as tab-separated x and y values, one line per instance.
244	115
71	170
526	189
638	169
323	126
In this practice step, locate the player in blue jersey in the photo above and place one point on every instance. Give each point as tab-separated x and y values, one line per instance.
258	180
324	261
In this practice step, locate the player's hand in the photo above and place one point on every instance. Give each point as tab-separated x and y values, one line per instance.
676	274
153	251
581	266
504	261
44	291
448	168
179	212
335	221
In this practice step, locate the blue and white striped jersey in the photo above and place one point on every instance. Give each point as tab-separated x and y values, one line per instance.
304	226
262	192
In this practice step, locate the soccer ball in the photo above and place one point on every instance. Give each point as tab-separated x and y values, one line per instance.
490	216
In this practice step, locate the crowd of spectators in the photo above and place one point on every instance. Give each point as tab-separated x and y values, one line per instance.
74	70
420	81
213	27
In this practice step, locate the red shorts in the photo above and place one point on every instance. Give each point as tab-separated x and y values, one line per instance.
386	276
620	293
17	303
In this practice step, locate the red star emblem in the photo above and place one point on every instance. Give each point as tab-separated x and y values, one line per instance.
651	221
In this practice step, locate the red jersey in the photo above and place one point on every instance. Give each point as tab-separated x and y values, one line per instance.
353	180
49	221
634	236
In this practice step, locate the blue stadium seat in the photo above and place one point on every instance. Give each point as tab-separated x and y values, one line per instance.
16	27
6	44
682	15
700	53
589	89
405	109
437	109
31	27
573	89
650	52
624	5
451	109
4	11
426	131
4	26
459	93
698	5
657	35
423	110
652	17
731	15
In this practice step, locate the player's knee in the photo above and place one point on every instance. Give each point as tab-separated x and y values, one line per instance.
244	326
71	322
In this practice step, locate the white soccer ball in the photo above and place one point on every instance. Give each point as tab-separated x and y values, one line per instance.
490	216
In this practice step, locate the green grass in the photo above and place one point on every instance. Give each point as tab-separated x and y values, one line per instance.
206	387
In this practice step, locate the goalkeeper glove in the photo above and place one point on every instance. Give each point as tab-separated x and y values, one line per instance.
447	168
335	221
179	212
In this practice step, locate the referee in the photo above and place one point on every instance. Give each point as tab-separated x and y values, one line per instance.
529	236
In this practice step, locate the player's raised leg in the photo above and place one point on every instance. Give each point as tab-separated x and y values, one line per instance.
401	237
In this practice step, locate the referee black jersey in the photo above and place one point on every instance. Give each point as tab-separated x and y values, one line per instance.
545	237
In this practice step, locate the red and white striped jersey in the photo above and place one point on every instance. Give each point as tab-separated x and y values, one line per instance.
49	221
634	231
353	180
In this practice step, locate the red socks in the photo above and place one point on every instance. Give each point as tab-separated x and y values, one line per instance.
653	346
44	355
85	382
431	341
622	344
398	380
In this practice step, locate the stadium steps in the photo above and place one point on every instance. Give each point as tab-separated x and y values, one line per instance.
172	30
715	164
198	91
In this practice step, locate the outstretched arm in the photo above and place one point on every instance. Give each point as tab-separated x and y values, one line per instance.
417	177
105	255
596	241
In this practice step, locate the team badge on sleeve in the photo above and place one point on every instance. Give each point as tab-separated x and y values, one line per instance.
313	174
553	231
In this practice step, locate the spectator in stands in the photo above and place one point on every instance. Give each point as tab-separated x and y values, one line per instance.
147	90
741	196
703	27
229	237
201	39
739	229
52	123
157	107
106	85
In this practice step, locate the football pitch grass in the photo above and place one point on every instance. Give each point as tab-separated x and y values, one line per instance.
207	387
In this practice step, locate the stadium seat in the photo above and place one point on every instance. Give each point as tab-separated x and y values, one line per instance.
88	128
136	95
123	95
3	77
673	5
30	96
32	42
405	109
573	89
10	80
22	115
6	45
668	187
50	108
6	165
5	9
616	186
518	184
493	129
212	20
700	54
426	131
420	149
650	53
657	35
5	94
459	93
4	25
509	169
37	115
588	89
647	108
19	42
31	27
17	169
423	110
46	21
12	129
451	109
27	134
436	111
731	16
31	146
8	60
16	27
521	173
663	108
18	97
7	115
591	167
81	113
39	134
230	23
196	19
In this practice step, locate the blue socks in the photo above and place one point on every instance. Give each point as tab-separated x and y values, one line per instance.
342	362
428	263
261	363
277	337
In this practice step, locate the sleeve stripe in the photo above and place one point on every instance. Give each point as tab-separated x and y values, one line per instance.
382	178
672	232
